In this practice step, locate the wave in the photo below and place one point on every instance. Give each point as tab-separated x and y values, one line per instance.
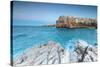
20	35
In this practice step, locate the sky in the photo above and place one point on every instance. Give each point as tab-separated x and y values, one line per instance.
37	14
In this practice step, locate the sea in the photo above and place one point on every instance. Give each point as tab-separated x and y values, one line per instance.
24	37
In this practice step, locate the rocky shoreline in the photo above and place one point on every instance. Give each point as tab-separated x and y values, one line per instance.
54	53
75	22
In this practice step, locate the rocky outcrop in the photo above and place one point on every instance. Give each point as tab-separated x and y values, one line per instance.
83	52
54	53
50	53
74	22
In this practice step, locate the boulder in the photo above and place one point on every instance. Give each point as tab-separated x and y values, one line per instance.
50	53
83	52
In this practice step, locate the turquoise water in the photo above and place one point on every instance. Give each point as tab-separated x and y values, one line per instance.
28	36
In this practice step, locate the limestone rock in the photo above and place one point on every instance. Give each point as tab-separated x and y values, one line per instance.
50	53
54	53
83	52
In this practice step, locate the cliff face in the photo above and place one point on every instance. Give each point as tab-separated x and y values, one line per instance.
73	22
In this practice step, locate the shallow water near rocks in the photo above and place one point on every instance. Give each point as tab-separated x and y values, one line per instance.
28	36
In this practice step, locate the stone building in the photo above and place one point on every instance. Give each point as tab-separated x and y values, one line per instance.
73	22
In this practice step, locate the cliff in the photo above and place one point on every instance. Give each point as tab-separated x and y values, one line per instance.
73	22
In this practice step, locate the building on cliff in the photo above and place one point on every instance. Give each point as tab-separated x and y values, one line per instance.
73	22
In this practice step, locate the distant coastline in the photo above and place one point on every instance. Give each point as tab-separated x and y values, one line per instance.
54	25
75	22
72	22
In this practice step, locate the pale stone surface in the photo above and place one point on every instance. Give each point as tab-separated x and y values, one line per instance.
83	52
51	53
54	53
